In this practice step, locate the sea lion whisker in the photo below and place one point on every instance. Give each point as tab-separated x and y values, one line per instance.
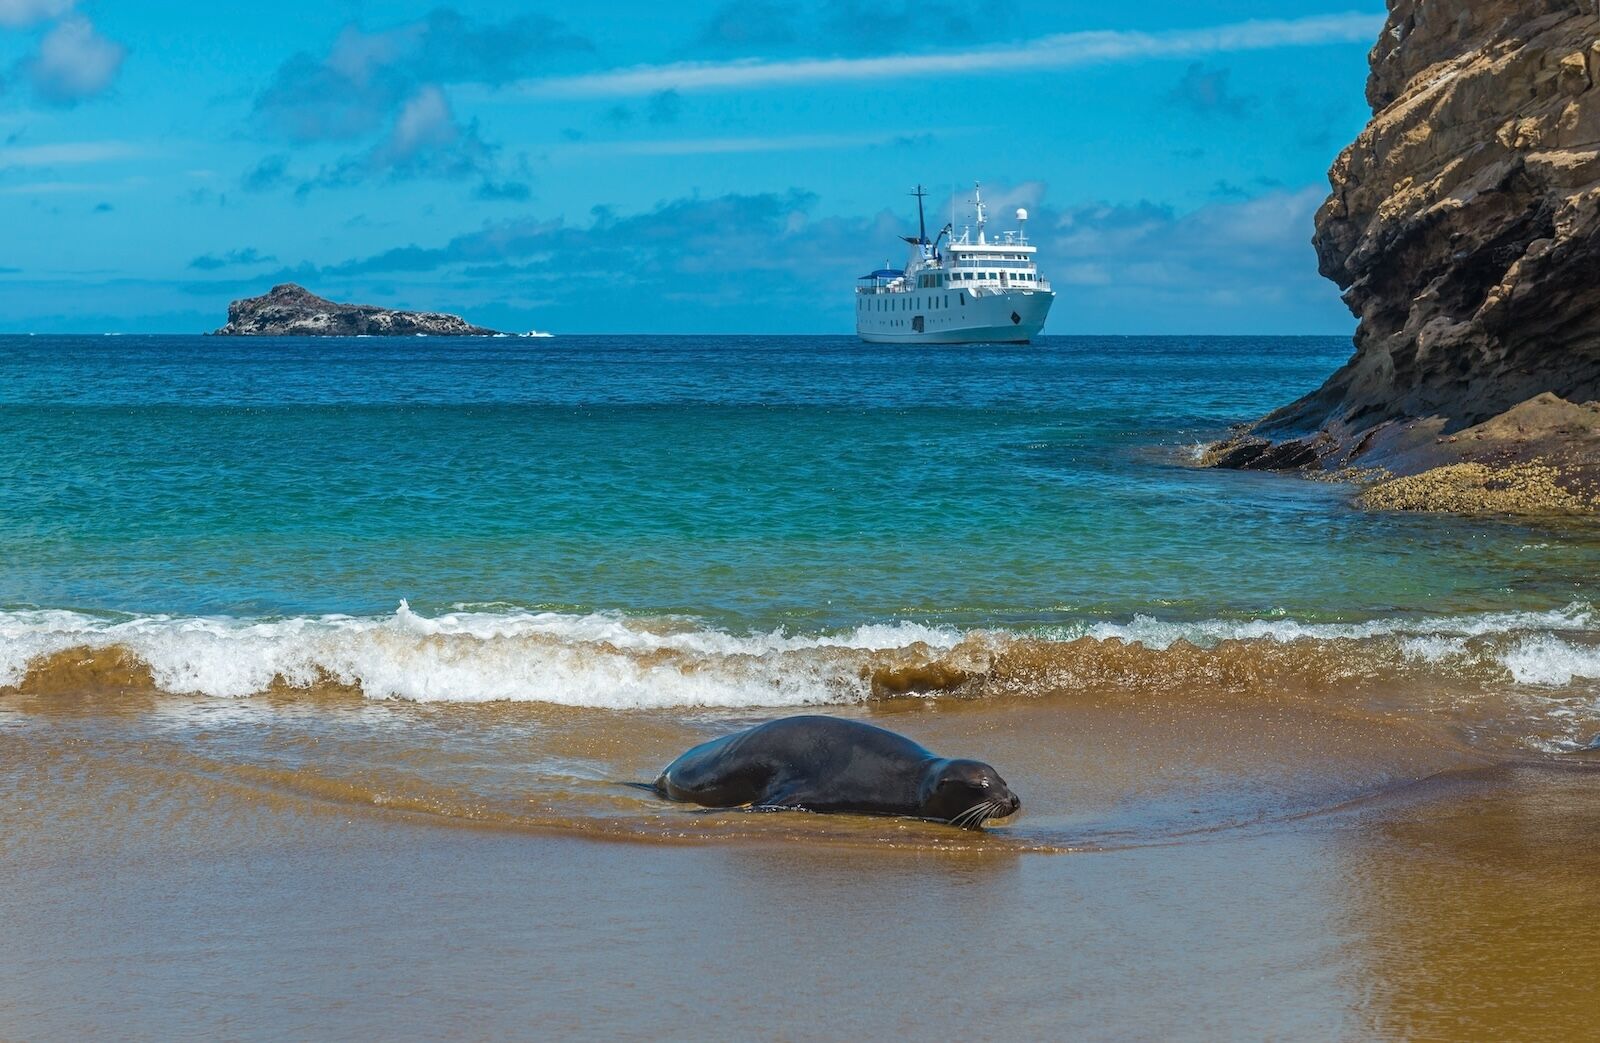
960	820
972	817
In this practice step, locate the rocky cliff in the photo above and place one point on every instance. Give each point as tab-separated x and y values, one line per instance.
1464	230
293	311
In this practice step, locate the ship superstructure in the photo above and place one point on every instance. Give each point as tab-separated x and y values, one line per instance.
973	289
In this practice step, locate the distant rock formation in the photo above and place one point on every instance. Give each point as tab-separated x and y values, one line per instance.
1464	229
293	311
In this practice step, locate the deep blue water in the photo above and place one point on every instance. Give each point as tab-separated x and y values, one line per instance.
751	482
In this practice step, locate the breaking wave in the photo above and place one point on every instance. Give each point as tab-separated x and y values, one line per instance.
613	661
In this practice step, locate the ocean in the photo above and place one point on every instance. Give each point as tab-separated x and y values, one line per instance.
747	494
389	588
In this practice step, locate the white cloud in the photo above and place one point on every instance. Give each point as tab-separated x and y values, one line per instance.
43	188
733	145
425	121
66	153
1050	52
1260	246
74	62
19	14
425	141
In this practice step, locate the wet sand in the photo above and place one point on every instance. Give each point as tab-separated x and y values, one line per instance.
1185	866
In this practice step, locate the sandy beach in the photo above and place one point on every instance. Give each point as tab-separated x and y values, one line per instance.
1252	880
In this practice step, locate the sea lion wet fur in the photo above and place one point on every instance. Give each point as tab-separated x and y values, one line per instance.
830	765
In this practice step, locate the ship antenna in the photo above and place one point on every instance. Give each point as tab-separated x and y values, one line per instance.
922	222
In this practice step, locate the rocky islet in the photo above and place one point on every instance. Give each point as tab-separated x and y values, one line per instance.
289	310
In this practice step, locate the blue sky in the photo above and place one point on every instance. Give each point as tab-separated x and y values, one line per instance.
702	166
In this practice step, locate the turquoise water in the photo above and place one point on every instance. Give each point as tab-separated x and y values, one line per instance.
812	483
636	522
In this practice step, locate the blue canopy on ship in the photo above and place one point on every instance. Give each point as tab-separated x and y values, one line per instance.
884	273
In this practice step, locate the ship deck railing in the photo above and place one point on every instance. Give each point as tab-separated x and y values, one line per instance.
975	289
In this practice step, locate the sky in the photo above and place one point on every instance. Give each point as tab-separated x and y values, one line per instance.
696	167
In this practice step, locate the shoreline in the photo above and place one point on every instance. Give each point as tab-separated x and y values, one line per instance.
300	917
1538	459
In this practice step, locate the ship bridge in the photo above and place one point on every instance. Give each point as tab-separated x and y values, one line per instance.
974	261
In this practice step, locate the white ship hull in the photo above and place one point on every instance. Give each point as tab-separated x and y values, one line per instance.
945	316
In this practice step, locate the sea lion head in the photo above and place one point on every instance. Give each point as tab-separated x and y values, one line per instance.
965	793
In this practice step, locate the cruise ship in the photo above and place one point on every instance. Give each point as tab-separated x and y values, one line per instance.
975	289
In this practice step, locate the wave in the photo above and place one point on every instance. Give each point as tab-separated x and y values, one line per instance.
609	660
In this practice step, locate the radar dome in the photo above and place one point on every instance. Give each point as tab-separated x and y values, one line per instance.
1022	215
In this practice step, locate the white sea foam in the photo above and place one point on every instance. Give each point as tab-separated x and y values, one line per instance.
598	660
1546	659
1156	633
613	661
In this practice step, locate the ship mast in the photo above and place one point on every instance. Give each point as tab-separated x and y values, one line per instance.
922	222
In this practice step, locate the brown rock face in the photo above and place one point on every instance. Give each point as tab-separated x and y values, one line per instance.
1464	229
293	311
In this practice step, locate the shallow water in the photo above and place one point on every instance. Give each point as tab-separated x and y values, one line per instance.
323	665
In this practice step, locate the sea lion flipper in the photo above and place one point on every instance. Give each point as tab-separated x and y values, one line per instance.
789	795
653	788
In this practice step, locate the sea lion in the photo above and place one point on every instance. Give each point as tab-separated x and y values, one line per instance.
826	764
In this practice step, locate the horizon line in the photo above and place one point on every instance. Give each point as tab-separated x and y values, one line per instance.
556	336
